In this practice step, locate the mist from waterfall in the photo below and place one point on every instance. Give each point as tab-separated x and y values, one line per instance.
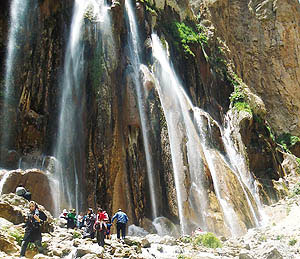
187	134
18	15
134	45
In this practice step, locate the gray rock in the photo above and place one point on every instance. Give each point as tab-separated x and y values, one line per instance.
273	254
245	256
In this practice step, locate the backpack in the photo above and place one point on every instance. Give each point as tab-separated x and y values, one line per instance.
42	215
106	217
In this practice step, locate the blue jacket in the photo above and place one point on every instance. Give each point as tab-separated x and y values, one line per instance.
120	216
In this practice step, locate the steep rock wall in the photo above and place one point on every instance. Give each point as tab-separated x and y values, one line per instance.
263	39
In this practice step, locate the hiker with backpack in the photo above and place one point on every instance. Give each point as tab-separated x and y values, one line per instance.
100	226
33	234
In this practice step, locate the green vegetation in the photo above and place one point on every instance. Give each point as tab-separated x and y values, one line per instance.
186	36
149	7
181	256
279	237
292	242
262	238
186	239
296	190
271	133
17	235
286	140
207	240
97	67
76	234
238	99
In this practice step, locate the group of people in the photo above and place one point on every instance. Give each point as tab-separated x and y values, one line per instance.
98	224
92	224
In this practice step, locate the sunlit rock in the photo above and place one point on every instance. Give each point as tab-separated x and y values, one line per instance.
15	208
35	181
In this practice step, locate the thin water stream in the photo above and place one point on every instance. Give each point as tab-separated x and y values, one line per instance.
19	16
135	53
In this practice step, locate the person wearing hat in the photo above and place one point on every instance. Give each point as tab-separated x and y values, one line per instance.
122	220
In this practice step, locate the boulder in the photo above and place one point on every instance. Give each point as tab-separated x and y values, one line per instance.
7	245
245	256
15	208
273	253
35	181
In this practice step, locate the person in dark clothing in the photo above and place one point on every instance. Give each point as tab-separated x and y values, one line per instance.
89	222
122	220
32	229
21	191
71	219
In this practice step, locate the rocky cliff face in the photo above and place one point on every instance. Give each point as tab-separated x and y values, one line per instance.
263	42
116	169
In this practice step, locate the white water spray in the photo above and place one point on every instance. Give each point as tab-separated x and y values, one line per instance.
135	59
190	134
182	134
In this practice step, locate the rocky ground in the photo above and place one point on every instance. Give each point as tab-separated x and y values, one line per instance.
278	238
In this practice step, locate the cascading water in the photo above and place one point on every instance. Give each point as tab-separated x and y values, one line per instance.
134	42
70	145
180	128
188	136
18	16
70	142
239	164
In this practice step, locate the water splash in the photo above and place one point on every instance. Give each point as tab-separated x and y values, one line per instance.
136	63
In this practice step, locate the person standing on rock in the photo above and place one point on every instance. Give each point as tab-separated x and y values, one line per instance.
32	229
89	222
122	220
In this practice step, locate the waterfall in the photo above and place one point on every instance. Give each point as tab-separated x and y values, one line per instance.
176	106
134	42
18	16
70	146
189	136
237	160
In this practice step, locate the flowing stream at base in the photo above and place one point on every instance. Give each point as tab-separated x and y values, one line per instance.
186	132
